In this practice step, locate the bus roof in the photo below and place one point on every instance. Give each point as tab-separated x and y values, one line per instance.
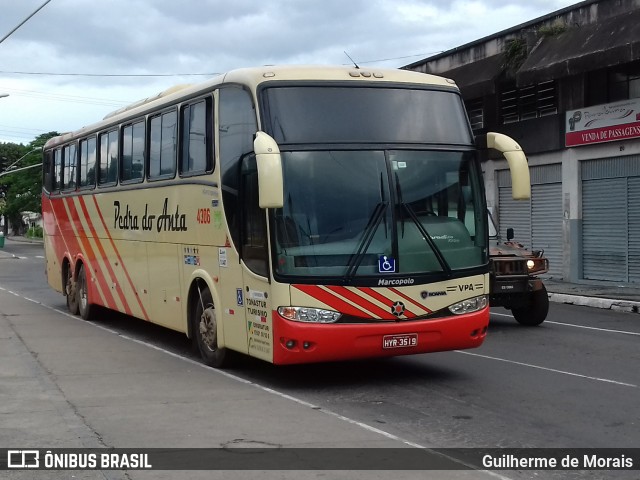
252	78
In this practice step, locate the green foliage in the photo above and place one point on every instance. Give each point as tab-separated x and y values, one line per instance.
34	232
515	53
553	30
21	191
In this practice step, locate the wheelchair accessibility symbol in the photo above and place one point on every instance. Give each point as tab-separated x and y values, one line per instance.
386	264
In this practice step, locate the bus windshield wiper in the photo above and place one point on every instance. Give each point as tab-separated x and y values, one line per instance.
423	231
367	238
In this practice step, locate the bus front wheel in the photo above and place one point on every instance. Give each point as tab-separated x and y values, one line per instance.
85	308
205	331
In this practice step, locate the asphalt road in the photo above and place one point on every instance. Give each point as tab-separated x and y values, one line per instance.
572	382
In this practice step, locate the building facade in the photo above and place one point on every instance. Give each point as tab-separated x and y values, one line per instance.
566	86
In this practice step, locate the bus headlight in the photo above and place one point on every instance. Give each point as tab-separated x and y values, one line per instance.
470	305
308	314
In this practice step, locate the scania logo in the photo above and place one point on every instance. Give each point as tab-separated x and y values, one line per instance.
425	294
397	309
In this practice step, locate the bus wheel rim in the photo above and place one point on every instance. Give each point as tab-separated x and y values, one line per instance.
208	329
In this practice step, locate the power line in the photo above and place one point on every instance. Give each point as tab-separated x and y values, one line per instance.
66	98
110	74
208	74
24	21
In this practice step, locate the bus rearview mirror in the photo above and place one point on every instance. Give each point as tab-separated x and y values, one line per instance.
516	159
269	162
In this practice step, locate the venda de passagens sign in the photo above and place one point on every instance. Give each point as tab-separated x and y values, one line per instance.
603	123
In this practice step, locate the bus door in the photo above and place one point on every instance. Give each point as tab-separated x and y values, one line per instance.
255	265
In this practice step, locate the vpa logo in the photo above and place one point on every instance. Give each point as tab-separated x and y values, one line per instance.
23	459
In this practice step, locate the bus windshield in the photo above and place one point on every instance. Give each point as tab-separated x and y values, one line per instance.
362	213
354	204
342	114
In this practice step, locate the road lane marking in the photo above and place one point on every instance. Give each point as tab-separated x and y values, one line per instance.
563	372
624	332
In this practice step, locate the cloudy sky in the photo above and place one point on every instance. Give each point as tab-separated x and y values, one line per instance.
77	60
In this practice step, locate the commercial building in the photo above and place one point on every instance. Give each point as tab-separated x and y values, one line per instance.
566	86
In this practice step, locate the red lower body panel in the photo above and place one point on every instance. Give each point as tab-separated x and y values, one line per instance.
298	342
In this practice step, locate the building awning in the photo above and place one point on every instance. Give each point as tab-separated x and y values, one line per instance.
477	78
605	43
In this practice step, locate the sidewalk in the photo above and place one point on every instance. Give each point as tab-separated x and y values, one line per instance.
619	297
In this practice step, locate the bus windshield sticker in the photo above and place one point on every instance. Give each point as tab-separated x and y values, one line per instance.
222	257
386	264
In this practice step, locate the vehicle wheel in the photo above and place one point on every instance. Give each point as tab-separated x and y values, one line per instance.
71	292
536	312
205	332
84	306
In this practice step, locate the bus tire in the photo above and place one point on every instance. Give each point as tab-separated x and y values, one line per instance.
536	312
205	331
84	306
71	291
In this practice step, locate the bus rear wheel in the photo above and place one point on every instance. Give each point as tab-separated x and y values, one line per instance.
84	307
205	331
71	292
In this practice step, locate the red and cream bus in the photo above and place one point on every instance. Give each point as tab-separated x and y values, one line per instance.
294	214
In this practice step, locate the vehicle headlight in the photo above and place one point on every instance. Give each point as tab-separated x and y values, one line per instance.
308	314
537	265
470	305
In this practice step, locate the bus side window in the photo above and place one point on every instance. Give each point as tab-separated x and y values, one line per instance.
47	169
237	127
254	225
132	158
108	174
88	162
57	171
197	145
163	145
69	173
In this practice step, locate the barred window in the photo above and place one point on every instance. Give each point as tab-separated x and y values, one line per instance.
532	101
475	111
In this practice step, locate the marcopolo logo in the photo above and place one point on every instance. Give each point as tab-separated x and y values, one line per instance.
384	282
23	459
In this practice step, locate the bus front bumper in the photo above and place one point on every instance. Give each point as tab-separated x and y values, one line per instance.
299	342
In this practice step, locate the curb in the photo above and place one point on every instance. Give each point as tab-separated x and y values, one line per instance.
597	302
24	240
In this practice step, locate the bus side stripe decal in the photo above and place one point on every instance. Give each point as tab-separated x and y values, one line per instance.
113	245
363	303
103	254
387	301
55	217
329	299
103	283
71	241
